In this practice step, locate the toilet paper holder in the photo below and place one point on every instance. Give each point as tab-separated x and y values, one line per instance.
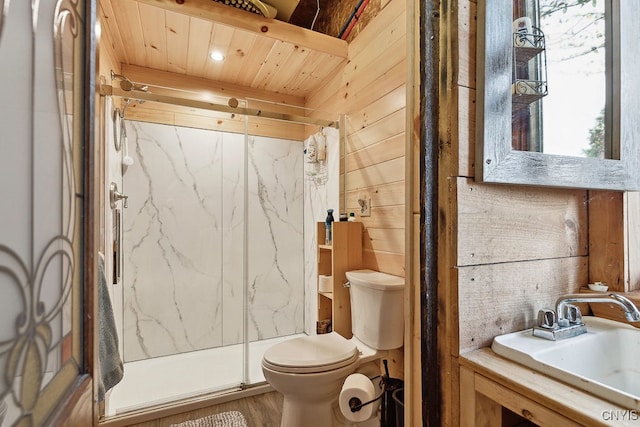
356	404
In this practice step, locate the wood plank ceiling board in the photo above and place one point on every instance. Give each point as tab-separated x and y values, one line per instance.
130	31
253	60
111	31
270	67
220	42
177	31
220	13
152	20
264	54
200	34
236	62
302	81
293	65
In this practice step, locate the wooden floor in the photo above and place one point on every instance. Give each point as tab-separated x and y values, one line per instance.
263	410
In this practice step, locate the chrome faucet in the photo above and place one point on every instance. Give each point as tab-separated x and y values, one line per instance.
566	320
631	312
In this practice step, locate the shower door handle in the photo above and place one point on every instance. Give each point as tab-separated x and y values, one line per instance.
114	196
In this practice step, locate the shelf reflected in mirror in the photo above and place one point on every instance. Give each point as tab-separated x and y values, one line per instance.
561	45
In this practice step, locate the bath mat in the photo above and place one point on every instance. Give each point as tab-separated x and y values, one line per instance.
223	419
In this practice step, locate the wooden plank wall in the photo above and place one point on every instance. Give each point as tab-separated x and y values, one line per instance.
371	90
504	251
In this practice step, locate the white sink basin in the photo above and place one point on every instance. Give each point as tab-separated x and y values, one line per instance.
605	361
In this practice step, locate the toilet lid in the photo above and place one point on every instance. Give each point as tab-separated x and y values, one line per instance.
309	354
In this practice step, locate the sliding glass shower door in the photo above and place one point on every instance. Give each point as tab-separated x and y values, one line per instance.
182	241
182	263
212	257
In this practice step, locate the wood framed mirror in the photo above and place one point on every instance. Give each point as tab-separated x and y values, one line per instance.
496	159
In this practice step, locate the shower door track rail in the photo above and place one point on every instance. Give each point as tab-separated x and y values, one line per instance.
107	90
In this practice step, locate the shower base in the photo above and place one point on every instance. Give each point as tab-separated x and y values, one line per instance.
170	378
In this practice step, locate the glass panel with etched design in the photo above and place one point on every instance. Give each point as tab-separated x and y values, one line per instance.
41	79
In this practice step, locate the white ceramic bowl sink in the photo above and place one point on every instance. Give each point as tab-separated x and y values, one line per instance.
605	361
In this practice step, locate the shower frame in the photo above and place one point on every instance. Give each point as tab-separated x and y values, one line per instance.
233	109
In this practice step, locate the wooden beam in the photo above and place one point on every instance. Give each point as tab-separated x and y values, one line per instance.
204	105
199	88
283	31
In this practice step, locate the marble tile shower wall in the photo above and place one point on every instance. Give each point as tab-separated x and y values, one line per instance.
317	199
183	240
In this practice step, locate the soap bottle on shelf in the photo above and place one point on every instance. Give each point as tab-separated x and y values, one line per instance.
328	223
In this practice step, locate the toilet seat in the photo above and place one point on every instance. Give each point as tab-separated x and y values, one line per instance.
311	354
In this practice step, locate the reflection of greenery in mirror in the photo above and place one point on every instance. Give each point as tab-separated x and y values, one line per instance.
569	119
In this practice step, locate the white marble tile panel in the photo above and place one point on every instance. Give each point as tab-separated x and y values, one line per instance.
172	241
317	199
184	240
275	255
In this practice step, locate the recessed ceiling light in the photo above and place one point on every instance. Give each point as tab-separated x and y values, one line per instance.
217	56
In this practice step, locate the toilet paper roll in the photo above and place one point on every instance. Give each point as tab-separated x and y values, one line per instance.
324	283
357	386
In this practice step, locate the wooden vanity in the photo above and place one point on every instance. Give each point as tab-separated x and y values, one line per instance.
495	391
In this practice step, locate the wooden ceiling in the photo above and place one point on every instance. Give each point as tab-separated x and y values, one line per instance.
262	54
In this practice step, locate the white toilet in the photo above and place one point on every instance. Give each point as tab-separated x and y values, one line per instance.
309	371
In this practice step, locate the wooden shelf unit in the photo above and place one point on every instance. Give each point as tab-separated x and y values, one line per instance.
344	254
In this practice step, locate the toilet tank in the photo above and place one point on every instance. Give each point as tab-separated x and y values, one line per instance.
377	308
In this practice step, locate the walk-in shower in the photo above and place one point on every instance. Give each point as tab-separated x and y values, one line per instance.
209	262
